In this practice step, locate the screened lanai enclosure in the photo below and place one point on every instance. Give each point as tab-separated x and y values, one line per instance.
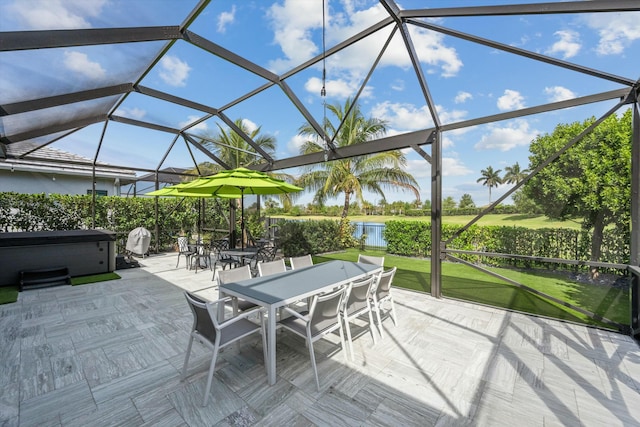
147	85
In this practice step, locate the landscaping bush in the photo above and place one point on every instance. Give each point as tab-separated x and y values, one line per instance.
297	238
39	212
412	238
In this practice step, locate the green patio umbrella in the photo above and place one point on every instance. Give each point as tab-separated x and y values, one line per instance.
172	191
238	182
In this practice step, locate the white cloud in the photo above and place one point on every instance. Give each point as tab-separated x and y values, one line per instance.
454	167
616	31
134	113
81	64
447	142
294	144
174	72
451	166
202	126
407	117
57	14
294	20
226	18
462	97
292	23
337	88
569	44
515	134
249	126
397	85
403	116
558	93
511	100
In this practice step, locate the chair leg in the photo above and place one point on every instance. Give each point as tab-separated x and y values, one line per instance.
178	260
264	343
210	376
371	326
313	361
186	358
393	312
344	348
349	339
377	308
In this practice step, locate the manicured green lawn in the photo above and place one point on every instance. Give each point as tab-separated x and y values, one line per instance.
463	282
536	221
8	294
94	278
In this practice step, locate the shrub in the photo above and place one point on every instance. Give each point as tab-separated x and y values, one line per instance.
312	237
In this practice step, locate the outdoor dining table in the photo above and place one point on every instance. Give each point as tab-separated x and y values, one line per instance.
281	289
240	254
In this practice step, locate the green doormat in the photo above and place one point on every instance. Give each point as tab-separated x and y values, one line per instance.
83	280
8	294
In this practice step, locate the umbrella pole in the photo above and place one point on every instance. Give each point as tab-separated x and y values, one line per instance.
242	218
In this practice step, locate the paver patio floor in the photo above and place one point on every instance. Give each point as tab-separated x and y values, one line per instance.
110	354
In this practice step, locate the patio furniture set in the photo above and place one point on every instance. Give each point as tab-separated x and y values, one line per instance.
309	300
201	255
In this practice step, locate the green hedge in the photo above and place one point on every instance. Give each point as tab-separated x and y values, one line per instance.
39	212
297	238
500	209
411	238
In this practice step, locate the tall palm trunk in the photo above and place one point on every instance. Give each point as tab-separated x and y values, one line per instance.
345	208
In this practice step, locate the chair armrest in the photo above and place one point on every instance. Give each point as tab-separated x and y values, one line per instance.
295	313
240	316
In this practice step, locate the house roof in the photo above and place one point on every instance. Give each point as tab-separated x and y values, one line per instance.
169	175
28	156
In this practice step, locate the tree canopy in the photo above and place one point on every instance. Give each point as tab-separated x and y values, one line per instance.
353	176
591	180
490	178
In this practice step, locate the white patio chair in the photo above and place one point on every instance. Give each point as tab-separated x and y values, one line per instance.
216	335
271	267
322	318
382	294
236	275
357	303
264	254
300	262
368	259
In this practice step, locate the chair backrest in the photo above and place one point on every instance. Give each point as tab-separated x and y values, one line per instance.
219	245
271	267
264	254
183	244
324	310
367	259
203	323
358	294
269	252
234	275
300	261
384	283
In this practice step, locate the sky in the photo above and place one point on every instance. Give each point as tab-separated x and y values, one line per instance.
465	80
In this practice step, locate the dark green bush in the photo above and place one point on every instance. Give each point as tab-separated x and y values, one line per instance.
412	238
39	212
312	237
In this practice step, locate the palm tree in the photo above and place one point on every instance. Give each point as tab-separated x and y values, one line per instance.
351	176
232	149
490	178
513	174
